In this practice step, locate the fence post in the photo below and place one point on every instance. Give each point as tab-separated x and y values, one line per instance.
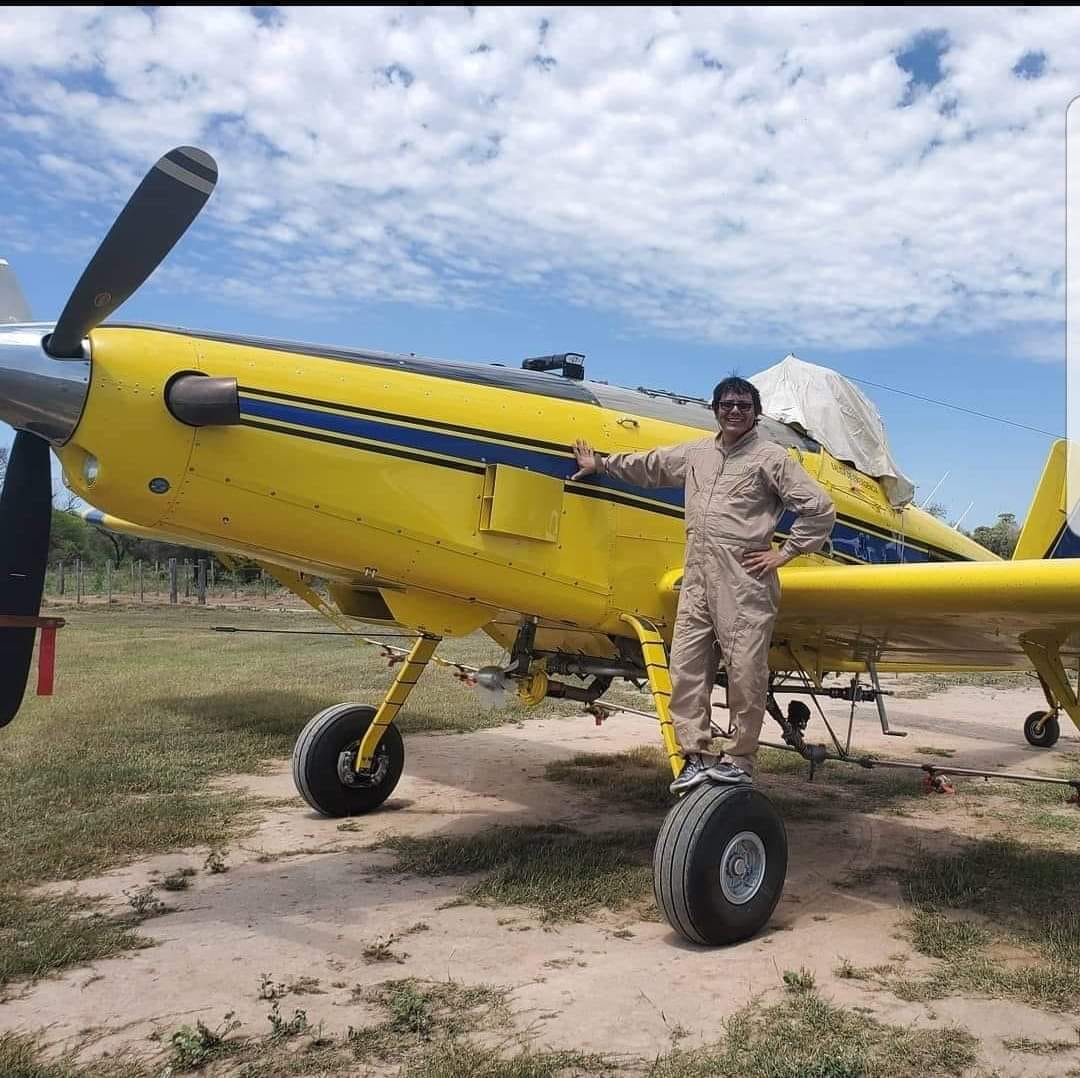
211	574
172	581
187	579
200	582
262	577
142	590
61	580
108	583
78	580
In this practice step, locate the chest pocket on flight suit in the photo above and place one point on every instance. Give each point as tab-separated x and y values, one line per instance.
736	478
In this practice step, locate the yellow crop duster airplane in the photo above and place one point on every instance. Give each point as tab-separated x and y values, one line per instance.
436	496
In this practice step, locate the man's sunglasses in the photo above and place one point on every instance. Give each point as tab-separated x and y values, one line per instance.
732	406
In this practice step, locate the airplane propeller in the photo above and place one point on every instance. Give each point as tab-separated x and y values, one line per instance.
25	515
158	213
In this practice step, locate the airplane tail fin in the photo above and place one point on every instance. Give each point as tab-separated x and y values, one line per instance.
1050	531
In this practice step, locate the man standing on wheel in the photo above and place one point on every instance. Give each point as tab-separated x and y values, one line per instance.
737	485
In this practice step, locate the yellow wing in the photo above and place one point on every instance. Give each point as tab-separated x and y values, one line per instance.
972	614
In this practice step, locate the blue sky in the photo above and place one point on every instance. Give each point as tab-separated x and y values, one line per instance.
676	194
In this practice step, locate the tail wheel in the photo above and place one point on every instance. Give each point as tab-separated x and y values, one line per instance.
719	864
1042	729
324	762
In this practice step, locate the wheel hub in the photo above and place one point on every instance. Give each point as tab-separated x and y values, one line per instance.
371	776
742	868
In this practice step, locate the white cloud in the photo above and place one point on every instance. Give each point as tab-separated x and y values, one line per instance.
715	174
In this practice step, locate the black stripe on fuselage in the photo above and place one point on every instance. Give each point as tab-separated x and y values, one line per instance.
516	439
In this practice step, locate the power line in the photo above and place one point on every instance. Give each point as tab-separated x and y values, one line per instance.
955	407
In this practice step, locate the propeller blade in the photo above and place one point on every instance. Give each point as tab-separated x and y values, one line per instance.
25	516
159	212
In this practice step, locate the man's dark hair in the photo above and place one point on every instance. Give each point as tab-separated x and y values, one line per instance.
735	384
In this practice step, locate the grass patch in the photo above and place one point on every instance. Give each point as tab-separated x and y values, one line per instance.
451	1030
157	724
935	935
179	880
1049	986
1039	1048
920	686
1029	892
637	778
454	1059
417	1013
848	971
1051	824
1027	900
807	1037
21	1056
930	750
382	950
195	1046
800	980
39	934
562	873
165	723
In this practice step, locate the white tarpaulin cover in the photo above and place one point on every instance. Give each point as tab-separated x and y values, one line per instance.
827	407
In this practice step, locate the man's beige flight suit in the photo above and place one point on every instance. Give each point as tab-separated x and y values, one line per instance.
734	499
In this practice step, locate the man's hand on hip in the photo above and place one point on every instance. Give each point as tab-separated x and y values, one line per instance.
759	562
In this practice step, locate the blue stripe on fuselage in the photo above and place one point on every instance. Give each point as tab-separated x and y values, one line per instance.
450	445
864	546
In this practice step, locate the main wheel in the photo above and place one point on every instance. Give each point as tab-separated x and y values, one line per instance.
324	762
719	863
1048	735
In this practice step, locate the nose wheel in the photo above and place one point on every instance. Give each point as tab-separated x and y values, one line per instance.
1042	729
324	762
719	864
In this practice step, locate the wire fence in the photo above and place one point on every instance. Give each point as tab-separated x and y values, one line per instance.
174	581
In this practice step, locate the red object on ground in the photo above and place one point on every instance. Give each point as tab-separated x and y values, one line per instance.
46	661
937	784
47	650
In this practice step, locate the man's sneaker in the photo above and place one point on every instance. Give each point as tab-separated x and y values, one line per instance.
695	771
731	774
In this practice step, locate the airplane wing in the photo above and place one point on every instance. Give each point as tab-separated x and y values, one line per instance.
972	614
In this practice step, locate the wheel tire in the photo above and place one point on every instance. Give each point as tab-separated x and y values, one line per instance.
709	825
319	748
1051	731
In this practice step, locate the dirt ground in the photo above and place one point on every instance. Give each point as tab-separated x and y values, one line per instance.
315	901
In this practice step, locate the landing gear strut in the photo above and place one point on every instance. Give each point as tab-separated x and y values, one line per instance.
721	856
349	757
